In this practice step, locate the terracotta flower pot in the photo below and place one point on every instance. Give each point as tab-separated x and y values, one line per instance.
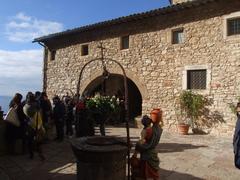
183	129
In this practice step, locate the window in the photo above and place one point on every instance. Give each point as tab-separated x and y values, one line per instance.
52	54
197	79
233	26
177	36
84	50
124	42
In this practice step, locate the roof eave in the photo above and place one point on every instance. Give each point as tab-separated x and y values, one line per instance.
124	19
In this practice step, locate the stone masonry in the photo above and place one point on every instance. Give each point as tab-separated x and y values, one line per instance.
154	64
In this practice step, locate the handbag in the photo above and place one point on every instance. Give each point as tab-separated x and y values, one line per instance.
12	117
39	129
36	121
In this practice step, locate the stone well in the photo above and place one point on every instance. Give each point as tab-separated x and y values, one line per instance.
100	158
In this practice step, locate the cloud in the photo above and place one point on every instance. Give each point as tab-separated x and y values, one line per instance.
23	17
23	28
20	71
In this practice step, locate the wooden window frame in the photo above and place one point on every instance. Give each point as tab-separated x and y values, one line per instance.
52	55
226	19
176	41
122	47
84	52
229	33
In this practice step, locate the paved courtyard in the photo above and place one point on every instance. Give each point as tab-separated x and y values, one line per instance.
182	158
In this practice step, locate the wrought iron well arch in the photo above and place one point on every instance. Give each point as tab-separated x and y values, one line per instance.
103	61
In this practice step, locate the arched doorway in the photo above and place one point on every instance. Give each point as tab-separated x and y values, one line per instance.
114	86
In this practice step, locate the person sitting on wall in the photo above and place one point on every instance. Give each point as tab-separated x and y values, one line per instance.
148	164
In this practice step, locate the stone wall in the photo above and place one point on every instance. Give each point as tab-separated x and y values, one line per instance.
157	66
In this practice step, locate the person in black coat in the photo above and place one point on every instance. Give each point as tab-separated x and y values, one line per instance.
46	109
69	116
236	139
58	117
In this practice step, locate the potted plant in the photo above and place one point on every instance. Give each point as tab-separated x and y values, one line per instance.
101	109
192	107
103	106
183	124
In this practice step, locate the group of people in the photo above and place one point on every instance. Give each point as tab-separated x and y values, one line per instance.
36	116
32	115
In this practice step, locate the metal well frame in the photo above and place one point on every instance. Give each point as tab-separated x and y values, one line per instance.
103	61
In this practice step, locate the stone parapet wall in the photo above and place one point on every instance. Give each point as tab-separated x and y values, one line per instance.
157	66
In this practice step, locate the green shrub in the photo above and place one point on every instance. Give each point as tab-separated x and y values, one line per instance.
192	105
104	105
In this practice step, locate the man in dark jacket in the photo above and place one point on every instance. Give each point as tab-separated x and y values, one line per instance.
46	108
58	116
236	139
69	116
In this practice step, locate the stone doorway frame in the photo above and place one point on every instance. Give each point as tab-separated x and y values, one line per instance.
135	109
130	75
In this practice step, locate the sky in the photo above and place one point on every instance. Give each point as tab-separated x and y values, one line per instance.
23	20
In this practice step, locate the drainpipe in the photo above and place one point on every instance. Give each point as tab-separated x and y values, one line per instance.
45	57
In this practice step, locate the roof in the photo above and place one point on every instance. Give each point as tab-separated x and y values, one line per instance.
160	11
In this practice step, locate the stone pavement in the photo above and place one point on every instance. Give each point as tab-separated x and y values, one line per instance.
182	158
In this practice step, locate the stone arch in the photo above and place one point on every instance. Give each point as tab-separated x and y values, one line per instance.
130	75
114	86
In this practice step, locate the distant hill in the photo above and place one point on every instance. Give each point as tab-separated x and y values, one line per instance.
4	102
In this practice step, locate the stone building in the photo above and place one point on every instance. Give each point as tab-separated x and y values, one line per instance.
187	45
